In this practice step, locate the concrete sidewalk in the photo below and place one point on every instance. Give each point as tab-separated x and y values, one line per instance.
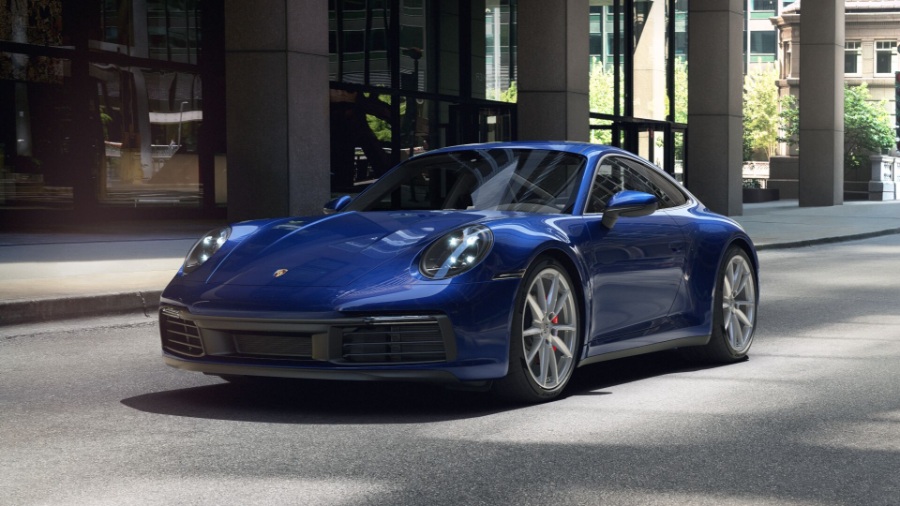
121	268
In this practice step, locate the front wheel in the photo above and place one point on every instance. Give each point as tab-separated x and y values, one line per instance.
544	336
734	317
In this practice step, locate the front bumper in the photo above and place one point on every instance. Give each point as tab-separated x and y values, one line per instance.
408	347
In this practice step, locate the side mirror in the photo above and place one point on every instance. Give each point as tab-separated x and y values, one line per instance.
630	204
335	205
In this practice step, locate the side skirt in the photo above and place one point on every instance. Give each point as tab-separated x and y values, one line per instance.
652	348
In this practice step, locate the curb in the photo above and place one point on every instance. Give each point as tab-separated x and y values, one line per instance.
828	240
48	309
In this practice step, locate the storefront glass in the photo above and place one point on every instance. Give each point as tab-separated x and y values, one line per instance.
36	131
408	76
101	104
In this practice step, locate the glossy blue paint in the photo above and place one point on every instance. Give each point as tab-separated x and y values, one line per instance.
647	280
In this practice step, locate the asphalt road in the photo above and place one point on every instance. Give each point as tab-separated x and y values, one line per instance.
89	415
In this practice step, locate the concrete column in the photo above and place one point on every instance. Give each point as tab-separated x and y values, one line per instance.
553	70
715	104
822	103
276	79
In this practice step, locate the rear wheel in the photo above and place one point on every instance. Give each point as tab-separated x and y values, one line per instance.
544	335
734	317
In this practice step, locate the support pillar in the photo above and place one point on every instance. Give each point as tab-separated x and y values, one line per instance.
553	70
276	79
822	104
715	104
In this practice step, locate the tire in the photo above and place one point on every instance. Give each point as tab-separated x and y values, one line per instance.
734	311
544	335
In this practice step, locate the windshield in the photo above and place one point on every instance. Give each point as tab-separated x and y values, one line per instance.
528	180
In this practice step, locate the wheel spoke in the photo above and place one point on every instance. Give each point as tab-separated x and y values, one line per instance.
745	322
564	328
562	347
561	301
533	331
535	349
554	366
536	312
541	295
544	365
553	294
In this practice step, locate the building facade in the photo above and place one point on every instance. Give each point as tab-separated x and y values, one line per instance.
871	49
118	109
760	37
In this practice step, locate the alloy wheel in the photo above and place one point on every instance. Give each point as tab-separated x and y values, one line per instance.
738	303
549	329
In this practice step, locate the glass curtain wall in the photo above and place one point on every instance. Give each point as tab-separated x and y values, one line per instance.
639	78
408	76
102	105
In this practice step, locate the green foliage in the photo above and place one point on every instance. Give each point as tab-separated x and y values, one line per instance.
867	126
761	112
601	98
382	127
789	120
511	94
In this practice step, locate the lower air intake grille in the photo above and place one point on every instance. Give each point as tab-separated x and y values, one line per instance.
272	345
179	335
419	342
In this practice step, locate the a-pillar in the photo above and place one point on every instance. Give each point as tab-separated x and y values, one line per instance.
276	79
822	103
553	70
715	104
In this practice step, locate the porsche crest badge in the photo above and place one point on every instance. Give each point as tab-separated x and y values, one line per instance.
280	272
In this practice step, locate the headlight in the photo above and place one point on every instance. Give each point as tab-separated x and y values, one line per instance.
205	247
456	252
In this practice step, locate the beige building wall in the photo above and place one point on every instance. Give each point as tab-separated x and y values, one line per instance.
865	28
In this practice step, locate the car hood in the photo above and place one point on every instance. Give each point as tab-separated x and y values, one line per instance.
335	250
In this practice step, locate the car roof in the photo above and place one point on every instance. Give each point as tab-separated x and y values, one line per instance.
583	148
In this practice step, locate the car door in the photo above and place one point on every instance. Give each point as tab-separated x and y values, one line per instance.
637	266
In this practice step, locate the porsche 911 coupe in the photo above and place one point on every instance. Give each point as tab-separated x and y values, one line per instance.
503	266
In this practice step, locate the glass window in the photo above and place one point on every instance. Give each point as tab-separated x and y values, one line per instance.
763	42
884	55
361	135
615	174
37	131
166	30
150	126
39	23
764	5
852	57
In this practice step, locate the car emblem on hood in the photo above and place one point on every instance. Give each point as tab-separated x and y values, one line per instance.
280	272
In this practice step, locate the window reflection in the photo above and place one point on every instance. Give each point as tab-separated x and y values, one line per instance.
151	120
36	127
166	30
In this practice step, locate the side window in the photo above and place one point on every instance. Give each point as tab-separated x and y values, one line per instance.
618	173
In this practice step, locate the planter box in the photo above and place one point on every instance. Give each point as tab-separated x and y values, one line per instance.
755	195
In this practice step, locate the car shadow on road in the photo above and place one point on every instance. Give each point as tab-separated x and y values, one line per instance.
343	402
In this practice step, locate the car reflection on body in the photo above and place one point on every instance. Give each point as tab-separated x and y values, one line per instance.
505	265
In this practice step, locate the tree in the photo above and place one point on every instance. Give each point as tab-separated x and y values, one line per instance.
761	112
867	126
600	98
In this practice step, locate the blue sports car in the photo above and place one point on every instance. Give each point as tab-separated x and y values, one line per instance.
505	265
